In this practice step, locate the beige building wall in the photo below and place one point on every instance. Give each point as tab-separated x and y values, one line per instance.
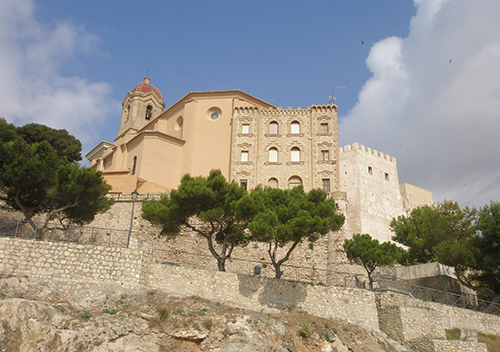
414	196
252	142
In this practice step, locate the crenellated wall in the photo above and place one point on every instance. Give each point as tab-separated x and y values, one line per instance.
370	179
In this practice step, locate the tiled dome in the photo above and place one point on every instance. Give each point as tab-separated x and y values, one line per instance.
145	87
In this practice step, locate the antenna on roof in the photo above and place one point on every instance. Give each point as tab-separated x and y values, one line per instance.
147	72
332	98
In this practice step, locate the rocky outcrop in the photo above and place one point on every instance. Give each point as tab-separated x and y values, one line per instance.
138	319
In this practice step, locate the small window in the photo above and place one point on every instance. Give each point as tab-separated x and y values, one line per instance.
273	155
370	170
244	156
134	165
324	128
273	128
386	176
149	112
325	155
326	185
244	184
295	127
273	182
128	113
245	128
295	155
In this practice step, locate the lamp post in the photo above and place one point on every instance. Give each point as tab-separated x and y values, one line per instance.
135	194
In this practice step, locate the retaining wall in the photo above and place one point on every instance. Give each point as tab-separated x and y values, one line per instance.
57	260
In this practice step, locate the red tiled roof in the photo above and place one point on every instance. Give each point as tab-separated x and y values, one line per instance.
146	88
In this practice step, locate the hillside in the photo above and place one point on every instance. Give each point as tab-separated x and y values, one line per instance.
38	315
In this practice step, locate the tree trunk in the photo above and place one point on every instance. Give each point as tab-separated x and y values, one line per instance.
221	263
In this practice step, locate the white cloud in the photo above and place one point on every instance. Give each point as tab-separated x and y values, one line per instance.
32	89
434	101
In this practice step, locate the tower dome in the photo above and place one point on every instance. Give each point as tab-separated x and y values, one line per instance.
145	87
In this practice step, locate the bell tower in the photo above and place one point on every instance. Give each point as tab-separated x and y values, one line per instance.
141	105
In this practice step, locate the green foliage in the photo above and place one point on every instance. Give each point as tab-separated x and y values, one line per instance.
476	257
304	332
212	200
109	311
39	174
428	226
63	144
85	315
163	313
369	253
208	324
288	217
467	240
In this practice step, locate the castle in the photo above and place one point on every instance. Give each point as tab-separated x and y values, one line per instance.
252	142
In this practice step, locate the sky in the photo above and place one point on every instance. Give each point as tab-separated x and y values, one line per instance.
421	77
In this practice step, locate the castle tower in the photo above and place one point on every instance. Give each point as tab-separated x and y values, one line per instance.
141	105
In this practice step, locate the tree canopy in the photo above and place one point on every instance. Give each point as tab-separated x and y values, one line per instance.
42	176
207	206
368	252
288	217
476	257
426	227
466	239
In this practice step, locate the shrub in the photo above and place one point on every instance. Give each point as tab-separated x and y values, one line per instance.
85	315
208	324
305	332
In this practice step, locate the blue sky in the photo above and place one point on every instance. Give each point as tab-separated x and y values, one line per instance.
422	76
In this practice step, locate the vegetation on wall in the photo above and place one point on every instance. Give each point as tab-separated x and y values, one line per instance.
39	174
467	240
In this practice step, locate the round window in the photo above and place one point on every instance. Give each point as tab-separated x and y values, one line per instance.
214	113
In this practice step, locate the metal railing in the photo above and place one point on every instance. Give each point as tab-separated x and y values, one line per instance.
58	233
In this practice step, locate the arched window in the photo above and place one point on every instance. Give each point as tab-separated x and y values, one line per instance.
149	112
273	155
273	128
294	181
295	156
295	127
273	182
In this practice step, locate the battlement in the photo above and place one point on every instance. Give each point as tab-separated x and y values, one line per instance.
356	147
324	109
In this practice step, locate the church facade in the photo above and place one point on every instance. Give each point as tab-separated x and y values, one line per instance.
252	142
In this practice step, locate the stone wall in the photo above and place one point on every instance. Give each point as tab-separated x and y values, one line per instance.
370	179
405	318
307	263
401	317
355	306
71	261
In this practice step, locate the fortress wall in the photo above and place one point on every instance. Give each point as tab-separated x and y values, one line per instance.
370	179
